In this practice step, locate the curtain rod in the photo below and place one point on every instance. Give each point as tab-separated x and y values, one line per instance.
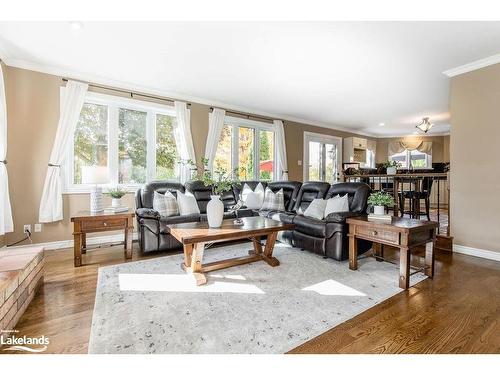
248	115
132	94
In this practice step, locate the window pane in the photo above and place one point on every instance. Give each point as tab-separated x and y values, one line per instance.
167	157
131	146
223	155
314	161
245	153
266	155
91	139
330	163
401	158
418	159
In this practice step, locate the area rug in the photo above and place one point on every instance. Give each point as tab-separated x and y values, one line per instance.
152	306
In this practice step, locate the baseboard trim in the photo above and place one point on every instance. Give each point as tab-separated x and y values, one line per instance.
480	253
57	245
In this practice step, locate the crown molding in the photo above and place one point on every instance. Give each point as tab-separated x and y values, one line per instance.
478	64
61	72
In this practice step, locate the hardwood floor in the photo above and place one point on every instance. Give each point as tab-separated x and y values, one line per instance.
457	312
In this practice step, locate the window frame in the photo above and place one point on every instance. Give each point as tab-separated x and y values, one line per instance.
236	123
428	160
114	103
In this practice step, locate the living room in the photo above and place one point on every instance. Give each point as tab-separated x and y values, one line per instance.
232	194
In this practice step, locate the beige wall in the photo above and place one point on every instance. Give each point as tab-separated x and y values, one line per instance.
440	147
474	145
33	111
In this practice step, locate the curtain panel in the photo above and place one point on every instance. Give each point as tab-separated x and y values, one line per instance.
184	139
51	207
6	224
282	170
215	126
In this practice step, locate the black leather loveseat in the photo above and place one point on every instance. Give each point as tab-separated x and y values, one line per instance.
327	237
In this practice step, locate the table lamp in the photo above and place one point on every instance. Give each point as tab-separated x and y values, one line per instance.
95	175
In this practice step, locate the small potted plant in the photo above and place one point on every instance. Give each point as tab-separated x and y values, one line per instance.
116	195
379	200
220	181
392	166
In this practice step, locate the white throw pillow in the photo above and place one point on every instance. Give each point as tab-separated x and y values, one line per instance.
253	199
337	204
274	201
159	204
316	209
187	204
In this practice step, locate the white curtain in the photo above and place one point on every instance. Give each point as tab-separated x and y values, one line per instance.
72	101
6	224
280	142
215	126
183	139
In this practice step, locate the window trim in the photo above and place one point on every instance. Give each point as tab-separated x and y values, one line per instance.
236	123
428	160
114	103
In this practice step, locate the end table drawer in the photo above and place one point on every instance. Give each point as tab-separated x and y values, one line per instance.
103	224
376	234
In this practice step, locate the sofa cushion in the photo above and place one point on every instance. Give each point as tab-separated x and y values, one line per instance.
165	204
283	216
187	204
274	201
253	198
337	204
357	193
165	221
316	209
315	227
308	192
144	196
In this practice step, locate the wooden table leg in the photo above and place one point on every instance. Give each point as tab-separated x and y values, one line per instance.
378	251
196	263
429	259
268	250
84	243
129	230
188	252
404	268
78	249
353	253
257	246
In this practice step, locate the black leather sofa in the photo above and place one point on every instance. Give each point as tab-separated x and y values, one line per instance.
327	237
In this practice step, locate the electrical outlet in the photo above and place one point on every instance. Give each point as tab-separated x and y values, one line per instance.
299	162
38	227
26	228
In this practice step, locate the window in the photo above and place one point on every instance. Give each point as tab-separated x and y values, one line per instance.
135	140
413	159
248	147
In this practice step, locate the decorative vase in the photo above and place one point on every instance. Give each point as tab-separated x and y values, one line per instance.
391	170
116	202
379	210
215	211
96	199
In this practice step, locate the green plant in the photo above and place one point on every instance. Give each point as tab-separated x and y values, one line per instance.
116	192
392	163
381	198
219	180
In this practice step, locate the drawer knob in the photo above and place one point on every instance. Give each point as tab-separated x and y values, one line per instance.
374	233
105	224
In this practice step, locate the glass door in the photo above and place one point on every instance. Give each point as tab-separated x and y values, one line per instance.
322	158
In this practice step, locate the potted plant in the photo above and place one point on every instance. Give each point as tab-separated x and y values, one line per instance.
379	200
220	181
392	166
116	195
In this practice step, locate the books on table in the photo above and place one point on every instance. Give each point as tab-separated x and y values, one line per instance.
115	210
386	218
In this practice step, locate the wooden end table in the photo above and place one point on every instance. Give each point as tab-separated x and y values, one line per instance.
402	233
194	237
88	222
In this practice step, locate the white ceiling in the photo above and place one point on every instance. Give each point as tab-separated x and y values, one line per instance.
351	75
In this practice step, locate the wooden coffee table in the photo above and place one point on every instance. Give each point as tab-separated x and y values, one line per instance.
402	233
194	237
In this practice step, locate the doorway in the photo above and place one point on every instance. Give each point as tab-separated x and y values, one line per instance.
322	157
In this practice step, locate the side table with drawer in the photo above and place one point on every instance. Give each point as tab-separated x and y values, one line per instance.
88	222
402	233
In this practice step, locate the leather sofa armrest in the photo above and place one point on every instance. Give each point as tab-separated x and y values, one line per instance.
147	213
340	217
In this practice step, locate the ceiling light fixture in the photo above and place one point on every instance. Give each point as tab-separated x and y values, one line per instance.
425	125
381	124
76	25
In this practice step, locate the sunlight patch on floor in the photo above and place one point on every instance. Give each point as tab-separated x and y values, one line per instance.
182	283
333	288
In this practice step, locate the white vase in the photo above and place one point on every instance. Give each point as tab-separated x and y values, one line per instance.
115	202
391	170
379	210
215	212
